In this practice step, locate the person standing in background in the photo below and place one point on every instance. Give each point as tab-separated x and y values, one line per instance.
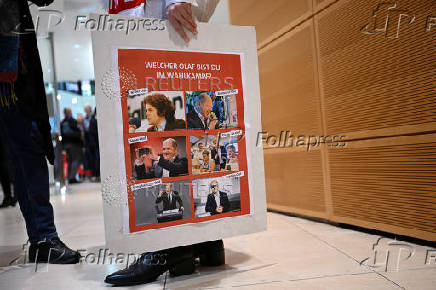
81	170
93	146
88	163
72	143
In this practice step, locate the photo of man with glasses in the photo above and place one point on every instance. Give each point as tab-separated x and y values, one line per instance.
217	201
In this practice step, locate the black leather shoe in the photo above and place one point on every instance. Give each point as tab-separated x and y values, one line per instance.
179	261
210	253
53	252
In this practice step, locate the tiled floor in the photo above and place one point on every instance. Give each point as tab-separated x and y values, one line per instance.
293	253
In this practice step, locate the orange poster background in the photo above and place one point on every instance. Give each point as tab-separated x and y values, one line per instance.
133	61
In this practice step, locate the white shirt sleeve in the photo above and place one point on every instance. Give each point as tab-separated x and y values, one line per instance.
169	2
202	9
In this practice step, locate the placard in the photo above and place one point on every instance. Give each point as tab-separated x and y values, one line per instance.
177	129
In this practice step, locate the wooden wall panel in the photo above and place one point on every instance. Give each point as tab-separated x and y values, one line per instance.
320	75
371	82
268	16
295	181
288	89
387	183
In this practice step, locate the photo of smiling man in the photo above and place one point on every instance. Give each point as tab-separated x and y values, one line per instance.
159	157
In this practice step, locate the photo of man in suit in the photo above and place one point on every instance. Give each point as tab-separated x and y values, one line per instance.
170	198
217	201
202	117
167	164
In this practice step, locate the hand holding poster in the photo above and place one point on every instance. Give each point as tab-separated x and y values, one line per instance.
178	132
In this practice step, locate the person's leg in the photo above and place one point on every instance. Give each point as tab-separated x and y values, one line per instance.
31	187
76	156
88	160
97	162
30	172
92	160
69	156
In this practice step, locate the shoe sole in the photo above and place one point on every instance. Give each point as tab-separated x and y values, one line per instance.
120	284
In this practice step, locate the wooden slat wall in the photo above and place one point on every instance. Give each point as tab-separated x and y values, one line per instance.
388	182
269	17
320	75
369	82
295	181
290	61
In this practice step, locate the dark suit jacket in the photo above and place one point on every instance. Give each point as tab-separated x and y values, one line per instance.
211	203
176	168
177	124
70	132
167	205
194	122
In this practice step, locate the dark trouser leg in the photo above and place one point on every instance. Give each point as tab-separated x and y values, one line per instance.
95	159
69	157
31	187
86	159
90	160
74	157
77	159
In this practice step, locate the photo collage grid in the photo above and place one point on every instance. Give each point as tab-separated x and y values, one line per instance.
185	155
